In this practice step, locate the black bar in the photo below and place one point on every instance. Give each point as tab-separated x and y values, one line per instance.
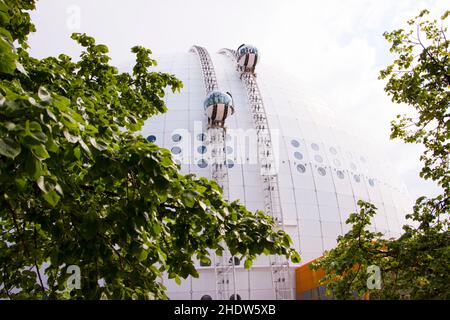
243	309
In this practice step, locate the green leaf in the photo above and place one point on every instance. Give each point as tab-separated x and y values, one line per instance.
33	167
102	48
71	138
43	94
51	197
40	152
96	145
41	184
9	148
143	255
156	228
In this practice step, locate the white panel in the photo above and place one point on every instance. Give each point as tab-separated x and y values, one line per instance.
310	227
296	240
252	178
253	194
329	243
285	180
346	200
311	243
154	124
260	280
305	196
326	198
205	283
287	195
262	260
262	295
308	211
331	229
323	182
237	192
289	213
242	277
308	256
235	176
303	180
329	213
171	285
283	166
380	221
253	206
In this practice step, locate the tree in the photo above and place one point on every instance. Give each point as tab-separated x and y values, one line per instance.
416	265
78	189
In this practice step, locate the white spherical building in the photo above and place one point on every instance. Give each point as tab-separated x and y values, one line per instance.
280	151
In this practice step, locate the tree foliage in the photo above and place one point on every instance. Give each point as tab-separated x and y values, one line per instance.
416	265
80	186
420	77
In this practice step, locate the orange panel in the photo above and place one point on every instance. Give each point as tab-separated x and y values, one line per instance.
307	279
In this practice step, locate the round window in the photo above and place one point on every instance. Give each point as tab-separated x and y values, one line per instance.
333	150
301	168
229	150
151	138
202	163
176	150
321	171
340	174
295	143
206	297
201	149
201	136
318	158
357	178
371	182
235	297
298	155
176	137
315	146
230	163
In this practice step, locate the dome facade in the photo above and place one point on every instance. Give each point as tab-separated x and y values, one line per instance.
283	153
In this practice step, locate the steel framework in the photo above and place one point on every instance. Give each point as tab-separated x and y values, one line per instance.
279	265
224	265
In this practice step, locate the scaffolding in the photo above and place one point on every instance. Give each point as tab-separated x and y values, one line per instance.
224	265
279	265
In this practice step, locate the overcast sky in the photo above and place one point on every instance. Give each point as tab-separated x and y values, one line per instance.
337	46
